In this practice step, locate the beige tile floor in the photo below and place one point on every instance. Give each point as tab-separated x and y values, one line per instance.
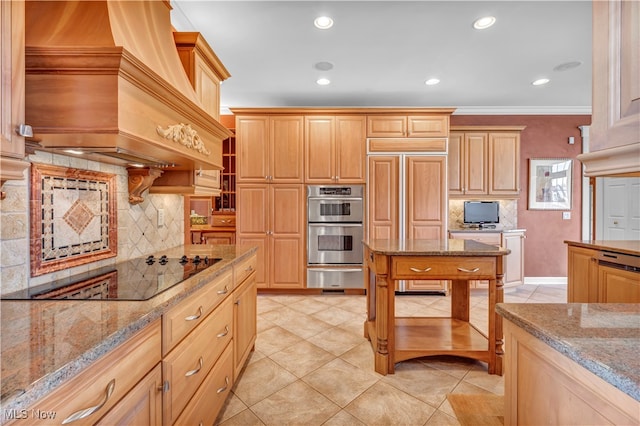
312	365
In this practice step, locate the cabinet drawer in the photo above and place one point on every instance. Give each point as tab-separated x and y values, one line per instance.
207	178
470	268
185	316
119	370
244	269
208	400
224	220
188	364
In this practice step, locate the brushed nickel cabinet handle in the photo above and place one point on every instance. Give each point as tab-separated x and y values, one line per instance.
225	332
420	270
195	370
224	291
194	317
468	270
226	384
249	269
89	411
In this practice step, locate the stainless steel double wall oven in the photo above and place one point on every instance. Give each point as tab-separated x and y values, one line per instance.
334	236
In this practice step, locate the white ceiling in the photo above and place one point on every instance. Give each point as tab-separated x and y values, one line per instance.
383	51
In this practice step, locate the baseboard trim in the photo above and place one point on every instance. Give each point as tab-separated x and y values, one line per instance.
545	280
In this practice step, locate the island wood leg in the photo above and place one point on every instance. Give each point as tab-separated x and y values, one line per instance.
496	295
460	300
384	322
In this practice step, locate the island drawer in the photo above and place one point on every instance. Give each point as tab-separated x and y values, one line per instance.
468	267
244	269
185	316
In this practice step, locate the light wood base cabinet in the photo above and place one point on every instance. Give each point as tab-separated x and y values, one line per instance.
244	321
582	275
544	387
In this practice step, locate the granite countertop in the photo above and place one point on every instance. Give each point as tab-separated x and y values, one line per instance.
444	247
631	247
487	230
46	342
604	338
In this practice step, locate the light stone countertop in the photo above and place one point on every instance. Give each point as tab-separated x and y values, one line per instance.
631	247
46	342
487	230
444	247
604	338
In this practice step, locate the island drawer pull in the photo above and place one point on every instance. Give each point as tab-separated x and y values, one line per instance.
468	270
194	317
225	332
249	268
195	370
89	411
226	384
420	270
224	291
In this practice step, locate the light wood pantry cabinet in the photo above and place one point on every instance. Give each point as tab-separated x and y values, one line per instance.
270	148
513	262
613	134
407	199
273	217
484	162
335	149
408	126
12	99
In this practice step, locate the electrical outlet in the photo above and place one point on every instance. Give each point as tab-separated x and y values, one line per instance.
566	215
160	217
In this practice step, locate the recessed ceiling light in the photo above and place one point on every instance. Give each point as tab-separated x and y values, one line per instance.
323	22
323	66
540	81
567	66
484	22
432	81
323	81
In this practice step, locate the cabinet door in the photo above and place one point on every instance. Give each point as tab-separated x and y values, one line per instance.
351	151
142	406
387	126
455	163
383	197
427	126
504	163
425	197
514	261
475	160
287	230
582	279
252	144
252	225
286	149
320	150
244	322
618	286
207	87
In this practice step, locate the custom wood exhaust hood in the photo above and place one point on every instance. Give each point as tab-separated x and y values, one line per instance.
104	78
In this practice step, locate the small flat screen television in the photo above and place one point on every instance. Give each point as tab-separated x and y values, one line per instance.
481	212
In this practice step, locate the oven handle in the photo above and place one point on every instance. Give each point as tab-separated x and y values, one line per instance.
334	199
335	269
335	225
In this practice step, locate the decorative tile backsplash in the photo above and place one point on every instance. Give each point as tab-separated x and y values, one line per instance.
508	213
138	231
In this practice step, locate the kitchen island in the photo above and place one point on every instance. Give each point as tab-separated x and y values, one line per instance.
571	364
396	339
47	344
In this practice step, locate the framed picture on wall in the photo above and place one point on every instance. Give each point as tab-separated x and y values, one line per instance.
550	183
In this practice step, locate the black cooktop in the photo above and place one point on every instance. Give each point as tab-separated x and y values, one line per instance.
135	279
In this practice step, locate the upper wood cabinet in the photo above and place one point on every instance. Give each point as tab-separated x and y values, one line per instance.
12	100
407	126
270	149
614	140
484	162
204	69
335	149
